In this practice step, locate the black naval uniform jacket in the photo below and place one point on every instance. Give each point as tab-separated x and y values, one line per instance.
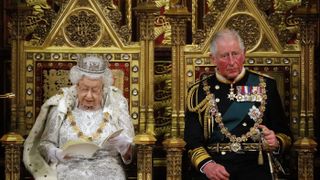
196	126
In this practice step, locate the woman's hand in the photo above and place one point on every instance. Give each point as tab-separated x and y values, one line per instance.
57	155
215	171
61	156
121	143
128	154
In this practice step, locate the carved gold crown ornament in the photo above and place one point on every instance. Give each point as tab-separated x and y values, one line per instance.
92	64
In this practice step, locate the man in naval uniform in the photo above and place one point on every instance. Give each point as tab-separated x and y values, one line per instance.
234	121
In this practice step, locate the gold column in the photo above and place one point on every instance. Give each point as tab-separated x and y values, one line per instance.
144	158
12	143
306	148
18	13
174	147
305	144
146	11
178	16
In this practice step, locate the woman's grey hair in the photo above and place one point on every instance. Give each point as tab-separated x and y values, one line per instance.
223	34
76	74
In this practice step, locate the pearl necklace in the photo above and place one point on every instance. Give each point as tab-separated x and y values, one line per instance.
94	135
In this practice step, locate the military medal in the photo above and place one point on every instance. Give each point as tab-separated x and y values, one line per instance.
231	94
249	93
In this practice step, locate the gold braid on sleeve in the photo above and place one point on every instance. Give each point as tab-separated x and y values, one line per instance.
197	155
285	141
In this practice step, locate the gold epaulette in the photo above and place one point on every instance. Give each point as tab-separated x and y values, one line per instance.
193	103
198	155
261	74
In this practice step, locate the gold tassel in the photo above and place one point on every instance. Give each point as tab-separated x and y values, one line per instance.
260	157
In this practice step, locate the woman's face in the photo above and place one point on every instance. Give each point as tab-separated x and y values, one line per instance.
229	58
89	93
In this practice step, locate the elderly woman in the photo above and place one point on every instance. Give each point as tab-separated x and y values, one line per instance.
89	111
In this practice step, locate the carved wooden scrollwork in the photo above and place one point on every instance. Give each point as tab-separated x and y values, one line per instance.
247	27
82	29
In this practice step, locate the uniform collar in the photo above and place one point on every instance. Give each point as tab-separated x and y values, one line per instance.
226	81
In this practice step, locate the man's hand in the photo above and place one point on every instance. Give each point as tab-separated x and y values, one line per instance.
269	137
215	171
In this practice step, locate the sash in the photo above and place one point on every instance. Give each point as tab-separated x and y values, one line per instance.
238	110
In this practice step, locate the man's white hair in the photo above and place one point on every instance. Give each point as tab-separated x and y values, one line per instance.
223	34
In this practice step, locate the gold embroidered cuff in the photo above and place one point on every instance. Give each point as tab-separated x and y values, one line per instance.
198	155
284	140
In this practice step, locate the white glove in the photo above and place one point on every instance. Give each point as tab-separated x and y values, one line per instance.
60	155
121	143
56	155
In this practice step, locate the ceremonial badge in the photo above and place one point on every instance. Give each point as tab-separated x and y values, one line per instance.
254	113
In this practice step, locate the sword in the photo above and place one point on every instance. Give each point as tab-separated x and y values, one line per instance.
273	173
270	160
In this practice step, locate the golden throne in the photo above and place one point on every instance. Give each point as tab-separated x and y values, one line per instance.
273	46
49	46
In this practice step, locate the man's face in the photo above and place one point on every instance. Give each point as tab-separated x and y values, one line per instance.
90	93
229	58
